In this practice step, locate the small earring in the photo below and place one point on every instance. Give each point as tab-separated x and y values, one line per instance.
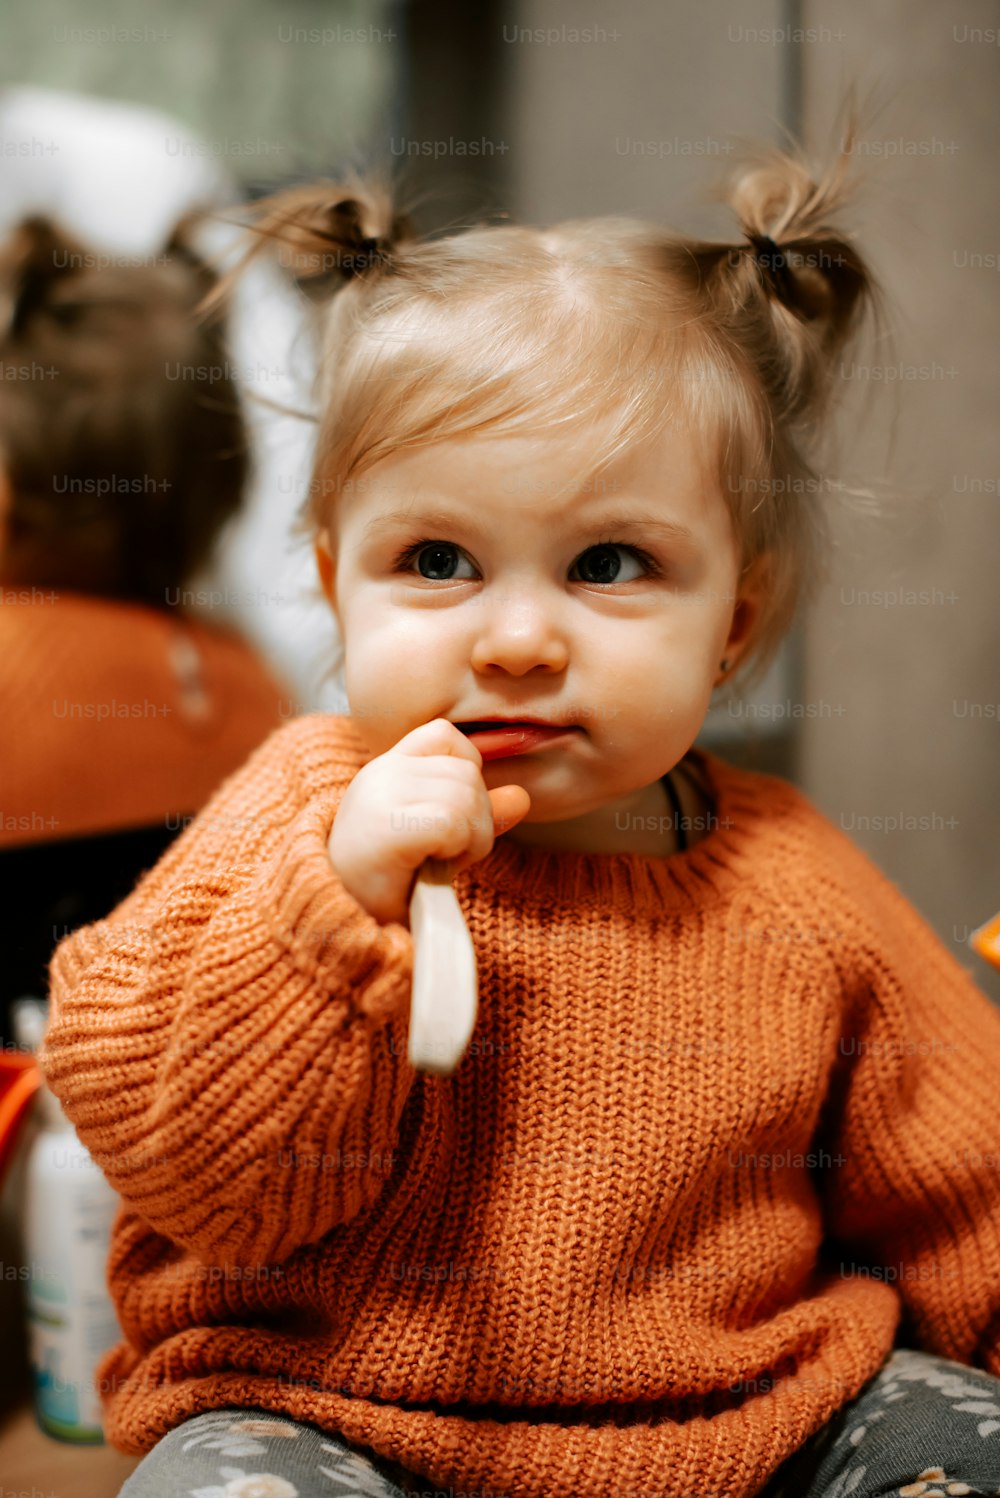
724	665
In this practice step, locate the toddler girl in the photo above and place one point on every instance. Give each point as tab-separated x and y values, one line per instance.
710	1205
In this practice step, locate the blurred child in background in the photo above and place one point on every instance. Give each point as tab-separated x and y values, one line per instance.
123	454
119	175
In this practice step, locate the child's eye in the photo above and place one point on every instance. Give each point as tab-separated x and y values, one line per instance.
607	569
440	561
606	562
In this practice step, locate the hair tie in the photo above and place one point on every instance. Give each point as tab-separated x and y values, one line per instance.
369	252
773	262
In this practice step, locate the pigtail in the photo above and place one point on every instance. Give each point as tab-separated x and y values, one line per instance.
35	255
324	234
795	291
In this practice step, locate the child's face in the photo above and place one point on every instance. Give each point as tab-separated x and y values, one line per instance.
523	607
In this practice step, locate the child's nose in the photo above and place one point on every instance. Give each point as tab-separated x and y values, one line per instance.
519	635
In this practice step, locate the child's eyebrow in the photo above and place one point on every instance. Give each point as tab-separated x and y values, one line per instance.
621	519
672	530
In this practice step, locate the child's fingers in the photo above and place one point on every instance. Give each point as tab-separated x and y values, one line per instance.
439	736
510	803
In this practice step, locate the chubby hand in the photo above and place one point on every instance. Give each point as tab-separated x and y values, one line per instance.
424	798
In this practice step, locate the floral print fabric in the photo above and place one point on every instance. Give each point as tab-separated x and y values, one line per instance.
922	1427
247	1453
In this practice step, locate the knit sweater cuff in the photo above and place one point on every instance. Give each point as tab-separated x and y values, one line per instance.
329	936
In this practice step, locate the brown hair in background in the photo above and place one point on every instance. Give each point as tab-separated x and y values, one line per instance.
121	434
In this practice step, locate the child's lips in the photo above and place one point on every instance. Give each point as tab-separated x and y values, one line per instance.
502	740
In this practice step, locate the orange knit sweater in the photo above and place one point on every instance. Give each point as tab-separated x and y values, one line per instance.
117	715
724	1118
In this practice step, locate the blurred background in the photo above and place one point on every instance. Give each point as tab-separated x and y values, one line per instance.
885	703
884	711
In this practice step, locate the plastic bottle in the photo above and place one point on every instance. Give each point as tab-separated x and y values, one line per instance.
69	1209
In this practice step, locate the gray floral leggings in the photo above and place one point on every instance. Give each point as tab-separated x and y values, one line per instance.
922	1427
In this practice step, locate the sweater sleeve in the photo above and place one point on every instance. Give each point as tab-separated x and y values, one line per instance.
911	1124
230	1043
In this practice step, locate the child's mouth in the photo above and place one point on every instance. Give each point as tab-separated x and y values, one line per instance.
497	740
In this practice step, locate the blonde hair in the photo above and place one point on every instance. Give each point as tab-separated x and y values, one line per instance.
500	328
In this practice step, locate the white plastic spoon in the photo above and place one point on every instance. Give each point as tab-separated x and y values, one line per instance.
445	997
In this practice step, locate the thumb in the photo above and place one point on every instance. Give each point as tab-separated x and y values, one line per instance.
510	803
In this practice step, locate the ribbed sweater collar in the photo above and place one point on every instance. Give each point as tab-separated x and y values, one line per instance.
645	884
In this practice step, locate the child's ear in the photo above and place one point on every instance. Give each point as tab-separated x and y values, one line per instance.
751	591
325	566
